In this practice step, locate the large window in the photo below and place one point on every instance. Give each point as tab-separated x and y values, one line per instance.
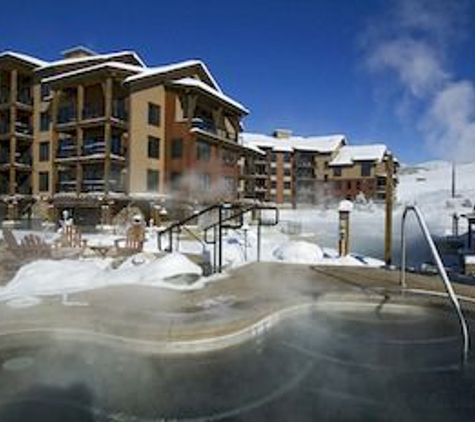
153	114
337	171
44	151
153	147
366	169
177	148
153	180
44	121
45	91
203	151
44	181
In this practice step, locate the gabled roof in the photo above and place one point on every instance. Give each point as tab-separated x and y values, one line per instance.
33	61
200	85
102	57
90	69
163	70
347	155
321	144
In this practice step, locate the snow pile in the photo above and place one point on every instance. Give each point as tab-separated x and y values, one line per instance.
299	252
47	277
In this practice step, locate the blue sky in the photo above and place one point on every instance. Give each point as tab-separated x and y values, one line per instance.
316	67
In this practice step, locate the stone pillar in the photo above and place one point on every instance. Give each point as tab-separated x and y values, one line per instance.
52	213
12	210
106	214
344	228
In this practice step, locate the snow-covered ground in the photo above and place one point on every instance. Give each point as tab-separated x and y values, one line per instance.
427	185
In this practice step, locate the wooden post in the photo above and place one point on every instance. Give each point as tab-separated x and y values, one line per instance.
54	140
107	133
389	210
344	228
13	117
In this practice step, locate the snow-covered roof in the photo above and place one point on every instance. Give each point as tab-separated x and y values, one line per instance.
83	70
24	57
196	83
347	155
109	56
160	70
254	148
321	144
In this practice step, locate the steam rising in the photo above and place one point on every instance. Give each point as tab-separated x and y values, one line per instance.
414	45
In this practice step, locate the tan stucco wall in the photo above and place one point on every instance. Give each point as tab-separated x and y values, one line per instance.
139	132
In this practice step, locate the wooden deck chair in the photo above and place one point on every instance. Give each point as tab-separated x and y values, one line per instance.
70	244
132	243
30	247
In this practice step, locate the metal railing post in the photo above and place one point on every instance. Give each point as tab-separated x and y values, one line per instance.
441	269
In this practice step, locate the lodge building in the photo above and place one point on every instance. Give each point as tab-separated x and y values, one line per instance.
314	170
94	131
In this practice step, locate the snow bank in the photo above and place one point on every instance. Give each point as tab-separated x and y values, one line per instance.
47	277
299	252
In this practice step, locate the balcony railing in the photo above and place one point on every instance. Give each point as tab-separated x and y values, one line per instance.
210	127
24	189
66	186
97	184
66	150
67	115
23	128
98	146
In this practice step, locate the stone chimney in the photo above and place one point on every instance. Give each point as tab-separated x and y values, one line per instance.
282	133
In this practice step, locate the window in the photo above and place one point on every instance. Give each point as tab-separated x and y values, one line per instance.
273	170
337	171
273	184
229	157
287	171
366	169
287	185
204	181
44	121
45	91
153	180
44	181
348	185
203	151
44	151
287	156
153	114
153	147
177	148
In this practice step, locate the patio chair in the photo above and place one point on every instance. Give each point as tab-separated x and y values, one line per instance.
132	243
70	244
30	247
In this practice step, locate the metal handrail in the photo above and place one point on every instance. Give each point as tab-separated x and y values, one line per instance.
441	269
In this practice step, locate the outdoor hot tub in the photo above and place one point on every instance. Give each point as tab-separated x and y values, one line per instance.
378	356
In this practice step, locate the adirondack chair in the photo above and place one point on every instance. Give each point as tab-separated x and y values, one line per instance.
70	244
30	247
133	242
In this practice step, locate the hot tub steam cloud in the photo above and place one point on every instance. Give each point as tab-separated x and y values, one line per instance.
413	45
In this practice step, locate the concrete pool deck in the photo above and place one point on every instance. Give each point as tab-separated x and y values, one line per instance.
227	311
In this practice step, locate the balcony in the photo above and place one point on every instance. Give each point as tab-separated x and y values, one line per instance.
66	186
66	115
24	96
92	112
4	128
98	146
66	149
119	111
98	184
208	126
23	160
23	128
